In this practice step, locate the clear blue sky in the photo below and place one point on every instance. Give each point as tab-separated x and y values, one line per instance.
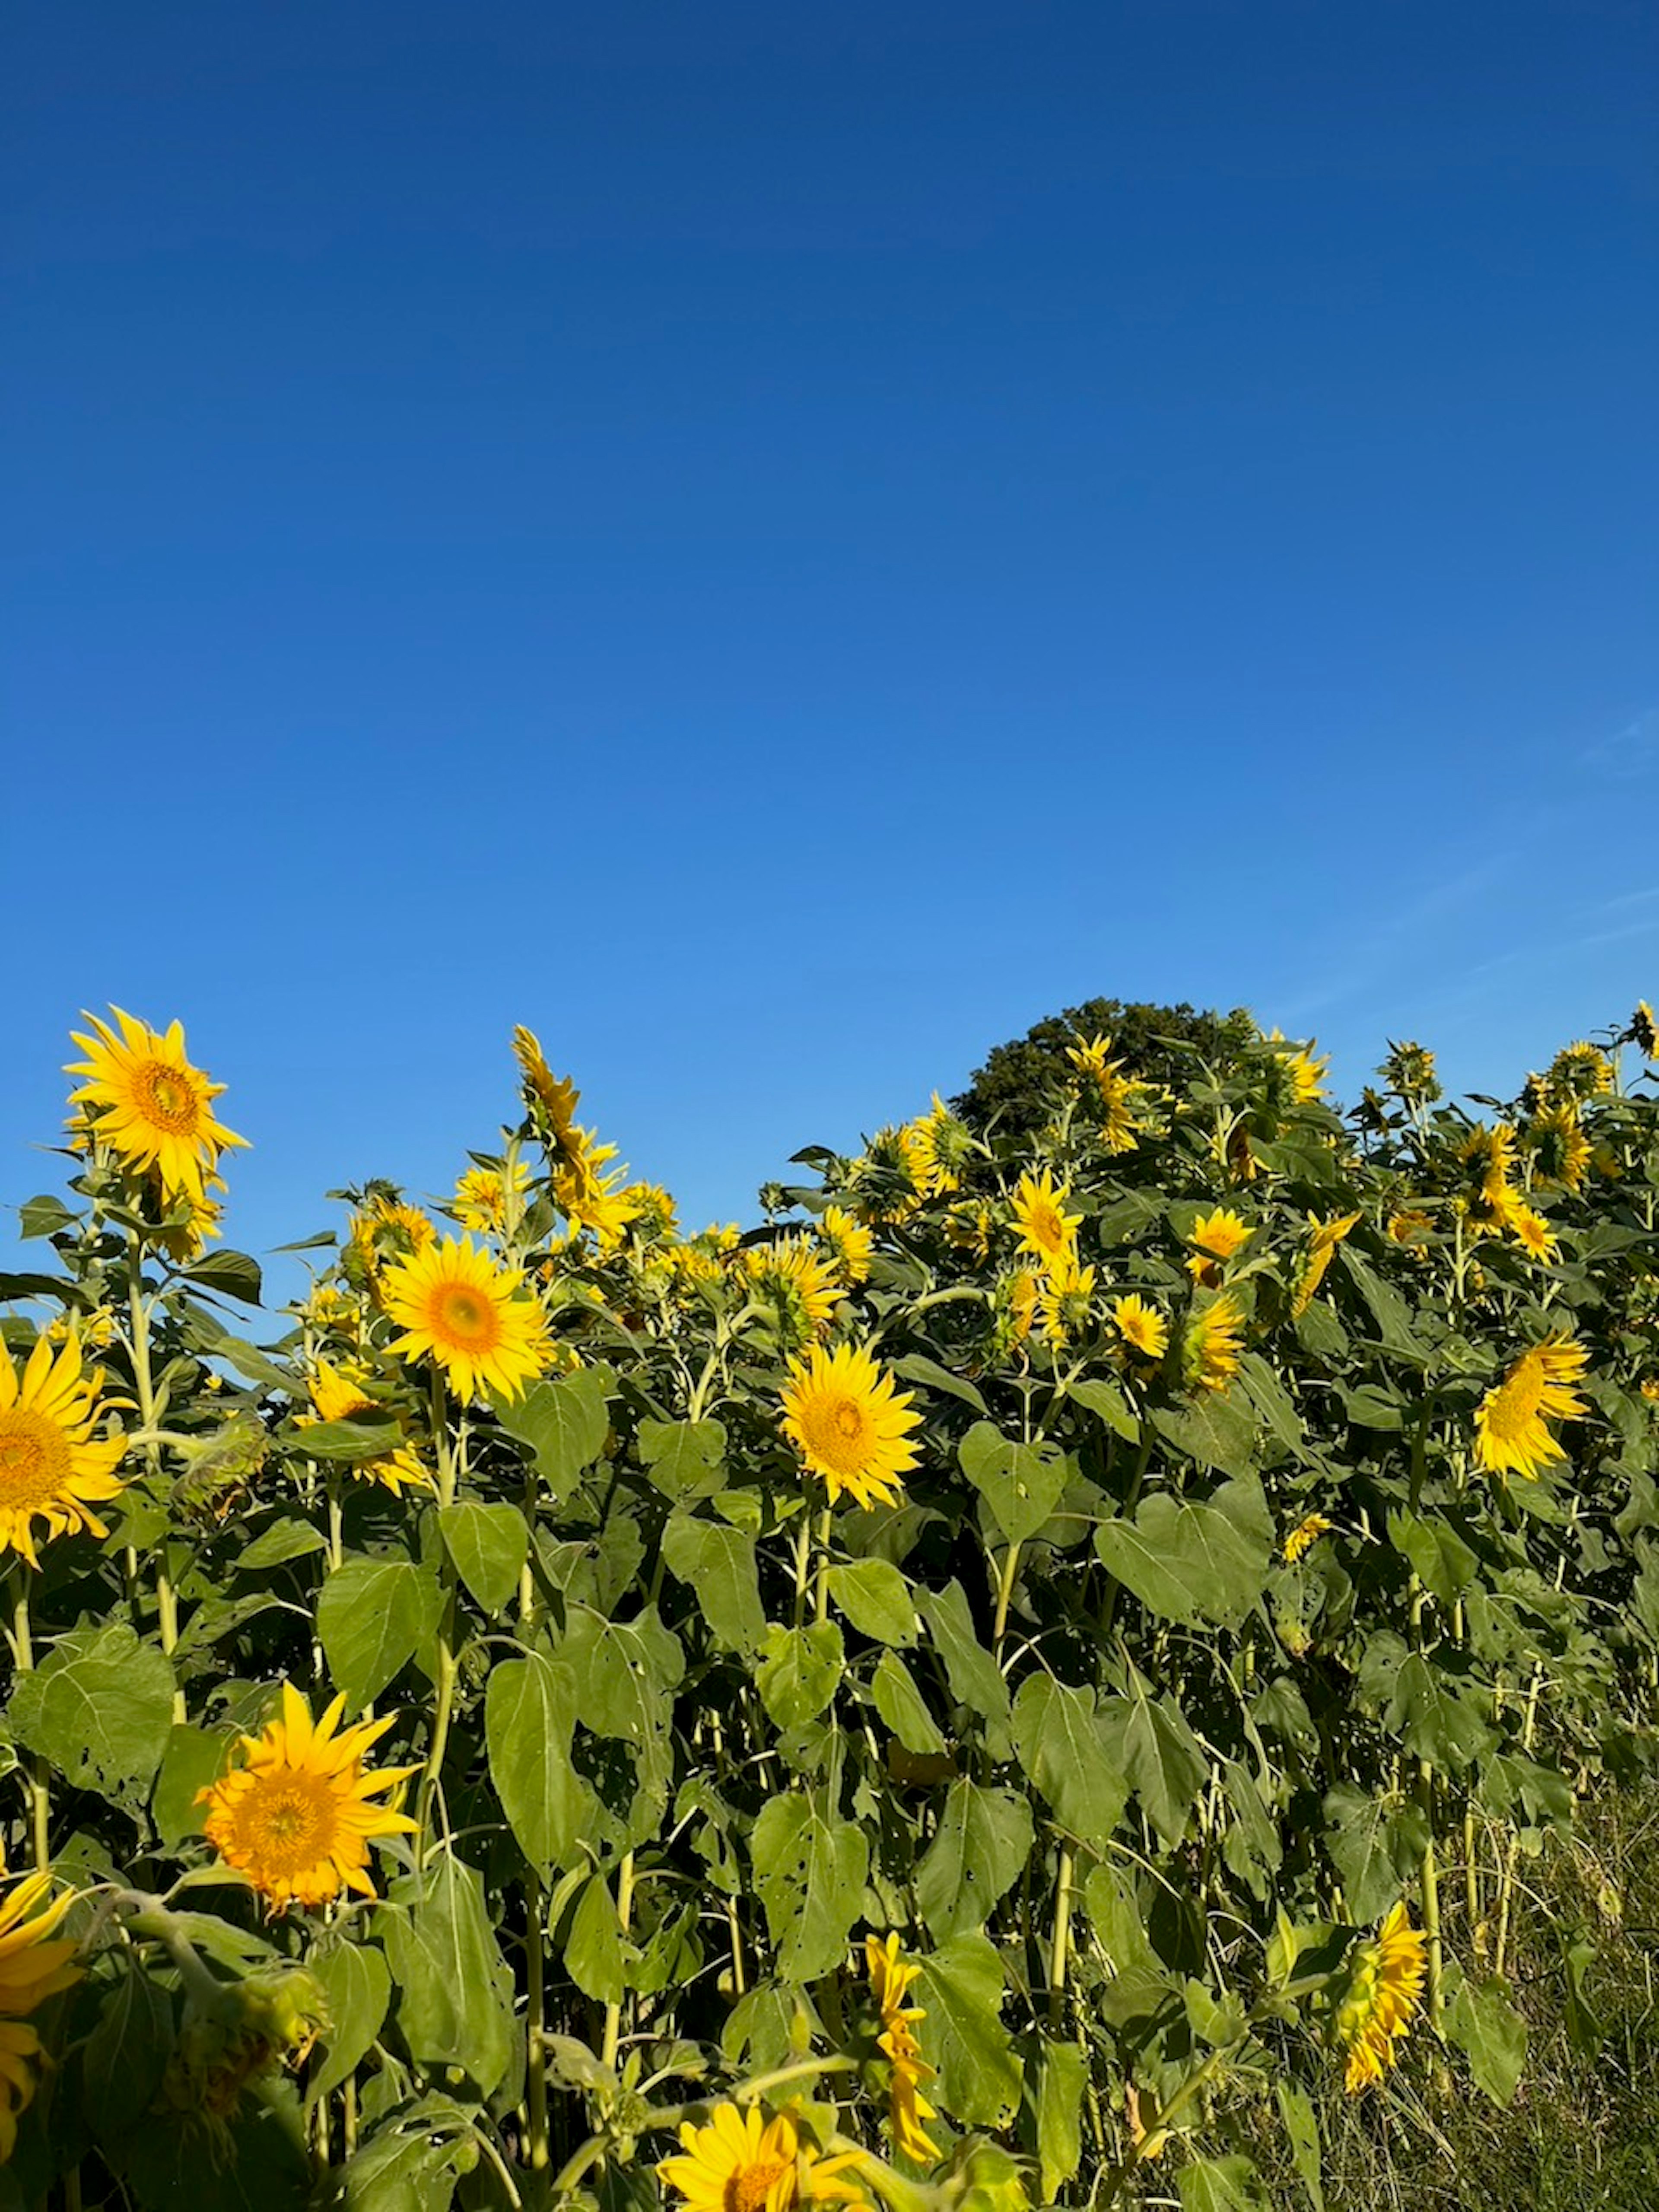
779	544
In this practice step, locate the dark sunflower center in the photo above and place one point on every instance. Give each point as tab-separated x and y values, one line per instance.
34	1459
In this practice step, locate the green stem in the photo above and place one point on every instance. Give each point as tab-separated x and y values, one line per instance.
820	1598
1432	1897
1004	1596
445	1682
624	1917
1058	1958
166	1604
541	2154
35	1770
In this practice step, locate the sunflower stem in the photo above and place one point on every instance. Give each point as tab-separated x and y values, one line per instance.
821	1596
34	1771
1058	1956
167	1605
624	1917
1431	1897
541	2154
1004	1597
445	1681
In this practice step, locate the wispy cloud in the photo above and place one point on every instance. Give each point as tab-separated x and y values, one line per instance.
1630	752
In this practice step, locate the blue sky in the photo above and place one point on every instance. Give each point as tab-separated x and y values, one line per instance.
779	545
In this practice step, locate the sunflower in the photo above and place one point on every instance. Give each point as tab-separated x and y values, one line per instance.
742	2163
383	1231
1411	1227
337	1397
1384	1981
52	1467
653	1212
1046	1230
1306	1533
1409	1069
1144	1330
849	1424
1022	1294
1211	1352
803	1285
1218	1235
552	1099
1643	1030
456	1304
1532	1232
1324	1238
295	1816
890	1983
1508	1422
1579	1071
589	1200
1560	1149
192	1218
144	1099
1063	1297
849	1241
937	1144
33	1967
1091	1056
482	1194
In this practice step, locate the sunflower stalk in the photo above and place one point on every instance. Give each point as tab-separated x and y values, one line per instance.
443	1706
35	1770
138	1305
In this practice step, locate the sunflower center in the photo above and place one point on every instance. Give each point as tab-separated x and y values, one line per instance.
166	1097
286	1823
464	1318
838	1431
35	1463
748	2190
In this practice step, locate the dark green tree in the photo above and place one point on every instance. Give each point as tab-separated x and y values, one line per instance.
1155	1044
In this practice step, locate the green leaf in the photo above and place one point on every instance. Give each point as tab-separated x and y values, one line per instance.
126	2053
285	1540
1219	1430
684	1459
810	1869
1388	1309
914	1367
194	1757
1445	1563
372	1616
1219	2021
1021	1487
1431	1720
489	1545
717	1563
1188	1563
235	1275
1106	1400
1151	1744
1484	2024
800	1673
358	1986
1222	2184
44	1217
360	1438
593	1947
982	1842
623	1670
530	1716
974	1677
902	1705
876	1598
99	1708
1060	1745
1374	1844
1302	2128
565	1424
454	1993
1060	2073
979	2070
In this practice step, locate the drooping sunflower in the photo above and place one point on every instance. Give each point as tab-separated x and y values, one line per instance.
552	1099
849	1241
144	1099
1217	1236
1323	1237
1385	1982
52	1465
1579	1071
1560	1150
1511	1436
1307	1075
482	1194
849	1424
1305	1535
296	1815
35	1964
336	1396
1046	1230
937	1144
588	1199
890	1983
1142	1328
742	2162
1643	1030
1211	1351
456	1305
385	1230
802	1281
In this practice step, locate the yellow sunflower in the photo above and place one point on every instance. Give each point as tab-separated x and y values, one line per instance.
1579	1071
1144	1330
588	1199
1643	1030
481	1200
1560	1149
33	1967
1323	1237
1305	1535
192	1218
1218	1235
552	1099
1063	1297
805	1284
741	2162
1091	1056
889	1984
1384	1982
144	1099
295	1816
336	1396
1046	1230
385	1229
936	1146
1532	1232
849	1424
1211	1351
1508	1422
1412	1228
849	1241
456	1305
52	1467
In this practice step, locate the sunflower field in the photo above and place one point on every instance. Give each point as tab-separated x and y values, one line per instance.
996	1686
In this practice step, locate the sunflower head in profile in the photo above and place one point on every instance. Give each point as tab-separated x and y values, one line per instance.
337	1394
1560	1150
802	1285
909	2109
552	1100
1210	1350
1579	1071
455	1305
1217	1237
1643	1030
1323	1237
54	1467
486	1198
1305	1535
844	1416
35	1964
744	2162
1510	1435
850	1244
296	1815
144	1099
1384	1978
1046	1230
